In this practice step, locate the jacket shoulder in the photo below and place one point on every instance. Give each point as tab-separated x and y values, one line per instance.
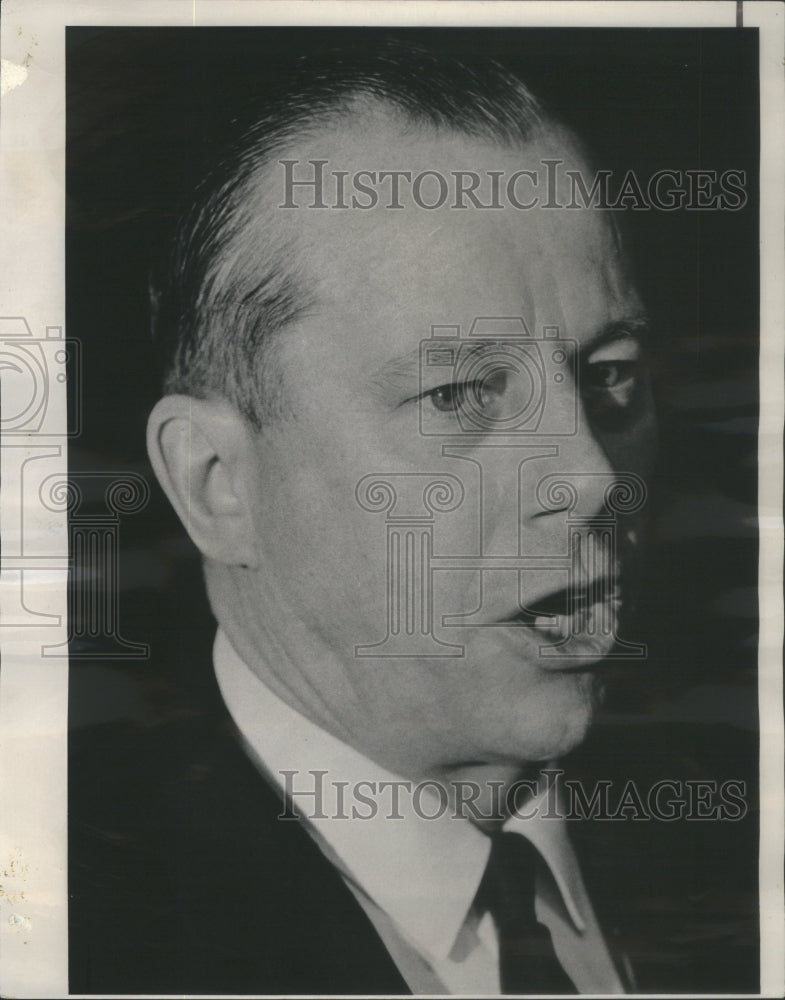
184	878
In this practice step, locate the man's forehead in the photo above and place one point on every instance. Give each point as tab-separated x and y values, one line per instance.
404	266
369	136
346	184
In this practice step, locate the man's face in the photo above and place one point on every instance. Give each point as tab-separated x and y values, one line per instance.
357	404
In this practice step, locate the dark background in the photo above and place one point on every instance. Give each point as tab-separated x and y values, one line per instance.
141	104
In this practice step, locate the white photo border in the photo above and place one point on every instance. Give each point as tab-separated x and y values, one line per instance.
34	690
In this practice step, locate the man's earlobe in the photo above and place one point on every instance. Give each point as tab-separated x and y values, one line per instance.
200	450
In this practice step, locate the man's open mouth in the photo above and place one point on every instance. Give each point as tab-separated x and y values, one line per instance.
589	610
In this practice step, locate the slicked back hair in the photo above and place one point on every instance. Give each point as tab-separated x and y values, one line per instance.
215	307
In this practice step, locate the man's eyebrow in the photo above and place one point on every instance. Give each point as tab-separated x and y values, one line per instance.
397	370
636	327
402	368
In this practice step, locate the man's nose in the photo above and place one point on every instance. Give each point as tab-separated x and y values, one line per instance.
533	483
574	479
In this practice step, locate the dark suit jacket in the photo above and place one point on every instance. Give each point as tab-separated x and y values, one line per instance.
184	880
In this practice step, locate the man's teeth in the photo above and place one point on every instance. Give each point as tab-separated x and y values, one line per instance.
553	626
559	626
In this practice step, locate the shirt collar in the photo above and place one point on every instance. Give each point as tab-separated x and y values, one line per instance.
424	873
541	820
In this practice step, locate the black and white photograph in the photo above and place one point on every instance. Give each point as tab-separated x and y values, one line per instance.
392	499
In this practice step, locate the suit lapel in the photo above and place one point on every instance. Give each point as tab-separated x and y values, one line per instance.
299	928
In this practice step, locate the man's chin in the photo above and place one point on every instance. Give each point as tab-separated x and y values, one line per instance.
546	725
579	705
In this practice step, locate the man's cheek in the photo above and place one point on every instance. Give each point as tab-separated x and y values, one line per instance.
352	570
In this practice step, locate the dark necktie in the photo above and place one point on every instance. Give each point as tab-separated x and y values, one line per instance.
527	961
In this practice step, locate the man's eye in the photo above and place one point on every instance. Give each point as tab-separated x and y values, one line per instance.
617	379
447	398
610	388
609	374
479	394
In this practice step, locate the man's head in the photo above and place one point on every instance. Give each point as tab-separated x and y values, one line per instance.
295	344
233	279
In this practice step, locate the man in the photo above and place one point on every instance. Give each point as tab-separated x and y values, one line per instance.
319	258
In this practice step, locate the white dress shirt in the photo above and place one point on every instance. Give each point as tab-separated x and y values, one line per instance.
415	877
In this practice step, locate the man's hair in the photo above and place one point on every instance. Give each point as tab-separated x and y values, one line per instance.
215	307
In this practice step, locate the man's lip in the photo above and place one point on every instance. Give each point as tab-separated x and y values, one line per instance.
580	622
562	602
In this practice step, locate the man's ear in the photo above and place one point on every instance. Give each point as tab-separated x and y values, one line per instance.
201	451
